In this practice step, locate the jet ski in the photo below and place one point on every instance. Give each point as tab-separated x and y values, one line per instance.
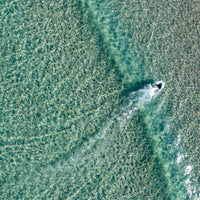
159	85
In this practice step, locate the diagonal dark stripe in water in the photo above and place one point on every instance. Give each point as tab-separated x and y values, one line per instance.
104	15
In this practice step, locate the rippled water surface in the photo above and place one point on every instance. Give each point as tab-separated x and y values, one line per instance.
80	115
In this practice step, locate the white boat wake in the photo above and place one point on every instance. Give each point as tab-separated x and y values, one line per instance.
136	100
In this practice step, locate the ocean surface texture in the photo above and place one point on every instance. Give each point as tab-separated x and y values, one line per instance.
80	117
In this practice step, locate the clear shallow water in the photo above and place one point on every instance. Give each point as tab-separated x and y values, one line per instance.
67	72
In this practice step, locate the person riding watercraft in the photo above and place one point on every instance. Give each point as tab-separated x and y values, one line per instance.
159	85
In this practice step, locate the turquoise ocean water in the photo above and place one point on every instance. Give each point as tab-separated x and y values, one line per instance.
79	118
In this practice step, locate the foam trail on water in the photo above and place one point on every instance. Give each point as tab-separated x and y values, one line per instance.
135	101
191	189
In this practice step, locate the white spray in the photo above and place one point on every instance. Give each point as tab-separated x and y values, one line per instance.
136	100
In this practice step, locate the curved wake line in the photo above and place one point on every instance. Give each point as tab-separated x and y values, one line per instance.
136	100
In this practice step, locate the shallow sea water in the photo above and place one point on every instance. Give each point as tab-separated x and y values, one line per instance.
77	120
